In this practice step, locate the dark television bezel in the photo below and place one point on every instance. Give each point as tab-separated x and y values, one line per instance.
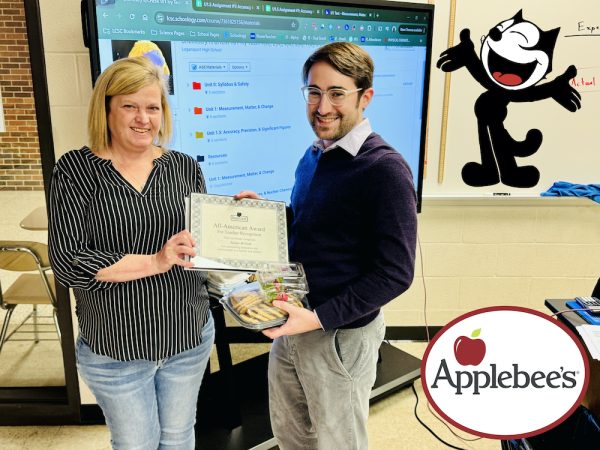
90	38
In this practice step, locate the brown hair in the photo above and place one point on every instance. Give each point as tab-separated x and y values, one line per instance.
125	76
348	59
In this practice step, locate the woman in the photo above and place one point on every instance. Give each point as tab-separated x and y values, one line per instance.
117	238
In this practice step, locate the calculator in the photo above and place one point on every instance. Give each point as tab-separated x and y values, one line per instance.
590	303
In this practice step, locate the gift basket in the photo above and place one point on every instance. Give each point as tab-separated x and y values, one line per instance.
252	304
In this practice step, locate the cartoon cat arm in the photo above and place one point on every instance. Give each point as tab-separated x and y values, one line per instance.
559	89
458	56
463	55
565	94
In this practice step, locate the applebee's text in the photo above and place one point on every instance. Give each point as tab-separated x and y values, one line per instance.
506	379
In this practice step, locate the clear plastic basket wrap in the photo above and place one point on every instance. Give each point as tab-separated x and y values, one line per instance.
279	280
252	304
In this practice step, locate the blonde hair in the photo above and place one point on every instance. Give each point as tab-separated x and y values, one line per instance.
125	76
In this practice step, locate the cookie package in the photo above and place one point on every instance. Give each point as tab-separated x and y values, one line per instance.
252	306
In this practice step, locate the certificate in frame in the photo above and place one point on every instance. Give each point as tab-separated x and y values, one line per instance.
236	235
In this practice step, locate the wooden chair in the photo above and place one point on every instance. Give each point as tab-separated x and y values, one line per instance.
28	289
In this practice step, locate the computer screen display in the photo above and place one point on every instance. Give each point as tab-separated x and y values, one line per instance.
234	70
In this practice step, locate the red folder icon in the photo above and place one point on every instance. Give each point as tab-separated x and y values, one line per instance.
196	85
197	110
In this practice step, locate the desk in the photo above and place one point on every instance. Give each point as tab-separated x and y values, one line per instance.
572	320
36	220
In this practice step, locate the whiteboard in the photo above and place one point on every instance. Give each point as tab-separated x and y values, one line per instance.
570	147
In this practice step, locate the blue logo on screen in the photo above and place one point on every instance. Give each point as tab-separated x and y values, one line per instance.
363	39
252	35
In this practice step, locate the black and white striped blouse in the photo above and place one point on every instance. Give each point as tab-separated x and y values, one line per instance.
96	218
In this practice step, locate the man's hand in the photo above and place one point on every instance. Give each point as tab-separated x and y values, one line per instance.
300	320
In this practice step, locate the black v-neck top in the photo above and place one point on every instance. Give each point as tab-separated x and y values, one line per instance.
96	218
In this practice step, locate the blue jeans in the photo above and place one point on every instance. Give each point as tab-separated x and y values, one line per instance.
148	405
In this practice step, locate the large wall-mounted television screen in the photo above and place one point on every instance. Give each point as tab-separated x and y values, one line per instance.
234	70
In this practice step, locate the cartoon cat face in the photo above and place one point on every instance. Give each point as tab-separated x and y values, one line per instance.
516	54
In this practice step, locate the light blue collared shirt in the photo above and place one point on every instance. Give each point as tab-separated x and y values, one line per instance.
351	142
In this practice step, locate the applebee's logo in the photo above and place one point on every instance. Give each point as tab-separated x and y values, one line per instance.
527	376
469	352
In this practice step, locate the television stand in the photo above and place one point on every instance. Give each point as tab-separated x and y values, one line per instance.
395	370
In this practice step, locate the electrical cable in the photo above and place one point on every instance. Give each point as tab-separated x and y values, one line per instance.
571	310
429	340
448	426
424	292
424	288
426	427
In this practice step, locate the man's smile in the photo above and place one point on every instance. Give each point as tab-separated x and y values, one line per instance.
326	119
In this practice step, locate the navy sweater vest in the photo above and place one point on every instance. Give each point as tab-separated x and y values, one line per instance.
353	227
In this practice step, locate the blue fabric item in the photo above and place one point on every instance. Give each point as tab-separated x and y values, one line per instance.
566	189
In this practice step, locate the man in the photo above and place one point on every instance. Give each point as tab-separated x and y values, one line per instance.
353	227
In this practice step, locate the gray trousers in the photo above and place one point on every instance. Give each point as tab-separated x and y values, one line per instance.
319	387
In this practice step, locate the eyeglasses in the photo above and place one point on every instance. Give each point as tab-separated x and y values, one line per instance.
336	96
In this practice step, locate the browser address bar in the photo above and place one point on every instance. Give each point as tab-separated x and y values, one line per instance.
169	18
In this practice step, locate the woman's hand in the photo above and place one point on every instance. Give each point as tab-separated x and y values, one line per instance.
173	252
246	194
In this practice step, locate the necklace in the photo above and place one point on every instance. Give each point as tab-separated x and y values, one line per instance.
137	183
137	178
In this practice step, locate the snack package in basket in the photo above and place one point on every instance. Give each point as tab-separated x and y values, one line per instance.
283	281
252	304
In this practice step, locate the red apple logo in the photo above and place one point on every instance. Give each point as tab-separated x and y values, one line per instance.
469	352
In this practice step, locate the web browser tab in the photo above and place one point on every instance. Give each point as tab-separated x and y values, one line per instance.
234	75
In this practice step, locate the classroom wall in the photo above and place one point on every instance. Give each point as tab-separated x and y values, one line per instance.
475	253
512	253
